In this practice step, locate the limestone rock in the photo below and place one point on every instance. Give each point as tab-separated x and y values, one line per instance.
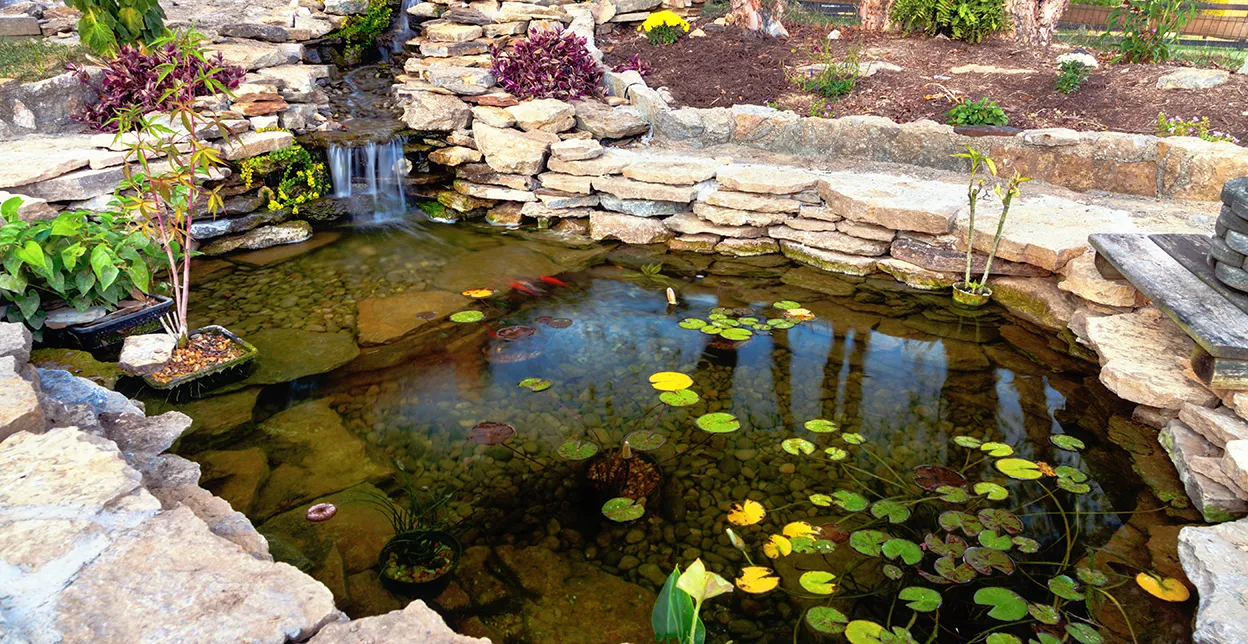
948	260
812	225
221	519
216	418
144	354
752	201
482	173
833	241
15	341
673	171
417	622
42	159
249	54
291	232
612	161
77	185
452	32
72	391
818	281
1219	426
828	260
466	81
454	155
492	192
31	208
546	114
733	217
1215	501
1192	78
1081	277
747	247
765	179
917	276
1159	376
520	11
690	224
254	31
492	116
386	319
17	26
627	228
1030	235
606	122
510	151
431	111
145	435
1036	300
560	200
1215	559
1235	464
900	203
641	207
250	144
865	231
576	149
629	189
20	409
704	243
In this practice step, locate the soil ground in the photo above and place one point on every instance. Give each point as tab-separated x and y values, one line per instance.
731	66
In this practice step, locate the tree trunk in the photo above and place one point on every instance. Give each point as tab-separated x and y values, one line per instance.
874	14
1034	21
751	15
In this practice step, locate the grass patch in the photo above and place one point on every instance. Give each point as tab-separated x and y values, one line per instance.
35	60
1183	55
798	13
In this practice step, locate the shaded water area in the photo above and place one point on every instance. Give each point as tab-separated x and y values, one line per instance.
903	369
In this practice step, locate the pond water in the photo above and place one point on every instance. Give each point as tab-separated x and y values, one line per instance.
899	373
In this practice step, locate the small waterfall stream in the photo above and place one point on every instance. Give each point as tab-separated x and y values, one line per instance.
403	28
371	170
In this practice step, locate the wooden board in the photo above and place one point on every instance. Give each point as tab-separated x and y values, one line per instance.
1192	251
1216	324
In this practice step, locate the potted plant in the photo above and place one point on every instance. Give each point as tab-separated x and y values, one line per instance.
976	293
83	262
418	559
162	198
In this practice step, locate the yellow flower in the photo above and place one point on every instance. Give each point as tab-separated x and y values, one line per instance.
663	18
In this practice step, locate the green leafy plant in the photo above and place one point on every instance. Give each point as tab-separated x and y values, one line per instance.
676	610
422	548
303	178
1071	75
105	25
1146	31
663	27
79	258
981	112
1201	127
969	20
974	191
360	31
835	77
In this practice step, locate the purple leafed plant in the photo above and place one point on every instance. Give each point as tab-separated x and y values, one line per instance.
134	78
548	64
635	64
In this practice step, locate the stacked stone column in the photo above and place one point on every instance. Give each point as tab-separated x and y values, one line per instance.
1228	250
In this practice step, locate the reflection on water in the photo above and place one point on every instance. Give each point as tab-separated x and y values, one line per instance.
904	369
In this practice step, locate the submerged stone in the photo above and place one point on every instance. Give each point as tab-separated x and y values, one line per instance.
288	354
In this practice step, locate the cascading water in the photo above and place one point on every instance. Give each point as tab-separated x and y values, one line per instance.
372	170
403	29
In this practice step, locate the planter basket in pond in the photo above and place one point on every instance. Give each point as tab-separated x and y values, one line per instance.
194	384
419	563
108	333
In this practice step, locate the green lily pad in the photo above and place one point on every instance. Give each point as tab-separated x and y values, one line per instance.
1065	587
861	631
1026	545
1007	606
853	438
623	509
849	501
958	573
1044	613
1068	472
645	440
1091	576
736	335
1066	442
798	446
804	545
954	520
909	551
826	620
993	518
1002	638
1075	488
781	324
993	491
1083	633
464	317
952	546
821	500
818	582
710	329
1019	468
990	539
997	449
836	453
785	305
868	542
923	600
692	323
534	384
967	442
577	449
718	422
1045	638
892	572
896	512
681	398
986	560
953	494
821	426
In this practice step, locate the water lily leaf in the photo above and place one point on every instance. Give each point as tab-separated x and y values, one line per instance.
692	323
834	532
818	582
1002	638
853	438
1044	638
464	317
1091	576
953	494
777	546
798	529
821	500
516	332
577	449
822	546
718	422
645	440
1066	442
1165	588
623	509
868	542
895	512
849	501
781	324
719	312
757	580
804	545
952	546
986	560
1019	468
535	384
993	518
559	323
836	453
1007	606
861	631
785	305
1084	634
1044	613
892	572
478	293
821	426
953	520
710	329
1065	587
826	620
747	512
670	381
922	600
993	491
1068	472
1026	545
932	477
958	573
798	446
990	539
909	551
736	335
681	398
997	449
1072	487
491	433
702	584
799	314
968	442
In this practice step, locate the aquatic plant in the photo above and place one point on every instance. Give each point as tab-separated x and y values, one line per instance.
733	326
975	188
422	548
676	611
548	64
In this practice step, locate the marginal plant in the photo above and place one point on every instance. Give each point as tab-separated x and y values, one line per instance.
974	190
969	20
663	27
151	77
107	24
676	611
1146	31
303	179
835	77
1201	128
548	64
981	112
1071	75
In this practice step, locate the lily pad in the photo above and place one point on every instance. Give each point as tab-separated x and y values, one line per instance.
836	453
1091	576
819	582
991	490
993	518
1019	468
1006	605
710	329
464	317
1068	472
645	440
952	546
1027	545
1044	613
491	433
849	501
736	335
821	426
785	305
967	441
781	324
757	579
1164	588
559	323
853	438
986	560
868	542
923	600
577	449
997	449
953	494
747	512
798	446
826	620
516	332
1083	633
896	512
909	551
1065	587
1072	487
623	509
692	323
800	529
682	398
1002	638
718	422
958	573
670	381
933	477
892	572
777	546
862	631
990	539
821	500
535	384
954	520
1066	442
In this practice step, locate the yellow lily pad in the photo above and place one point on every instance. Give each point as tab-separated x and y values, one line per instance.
670	381
747	512
1167	588
757	579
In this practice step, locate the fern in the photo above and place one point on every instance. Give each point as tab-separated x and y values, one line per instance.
969	20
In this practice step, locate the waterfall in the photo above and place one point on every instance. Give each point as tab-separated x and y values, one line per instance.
379	169
403	30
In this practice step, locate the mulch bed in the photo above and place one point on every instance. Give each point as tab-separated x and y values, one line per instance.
732	66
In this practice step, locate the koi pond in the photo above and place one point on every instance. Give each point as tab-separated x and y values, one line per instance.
855	458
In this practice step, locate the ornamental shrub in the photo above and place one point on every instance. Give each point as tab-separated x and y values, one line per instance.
303	179
1071	75
106	25
171	69
547	64
1147	31
663	27
969	20
981	112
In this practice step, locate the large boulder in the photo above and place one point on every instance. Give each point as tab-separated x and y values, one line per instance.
1216	561
291	232
431	111
547	114
385	319
627	228
1159	377
417	622
606	122
511	151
